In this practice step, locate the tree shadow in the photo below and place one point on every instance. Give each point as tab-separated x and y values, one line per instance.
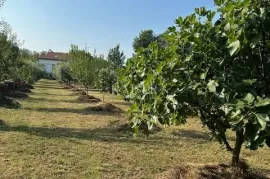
82	111
192	134
31	99
50	87
198	135
104	134
121	103
49	94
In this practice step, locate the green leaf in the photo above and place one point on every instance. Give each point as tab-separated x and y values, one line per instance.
249	98
234	47
172	99
179	21
219	2
264	102
203	75
227	27
212	85
148	80
262	119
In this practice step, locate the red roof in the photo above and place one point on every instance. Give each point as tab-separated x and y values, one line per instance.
53	56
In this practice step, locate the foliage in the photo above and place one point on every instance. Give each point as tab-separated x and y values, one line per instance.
145	38
85	70
116	57
216	70
9	50
62	72
107	79
30	72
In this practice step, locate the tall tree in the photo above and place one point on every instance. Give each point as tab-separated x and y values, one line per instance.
116	57
145	38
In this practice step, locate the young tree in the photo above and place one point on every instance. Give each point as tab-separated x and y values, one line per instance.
107	78
116	57
218	71
62	72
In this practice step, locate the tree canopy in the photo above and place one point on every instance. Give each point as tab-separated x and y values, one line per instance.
217	70
116	57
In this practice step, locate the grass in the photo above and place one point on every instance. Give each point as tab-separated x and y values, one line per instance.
54	136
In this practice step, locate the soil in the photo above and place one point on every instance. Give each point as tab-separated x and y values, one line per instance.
108	107
218	171
89	98
8	102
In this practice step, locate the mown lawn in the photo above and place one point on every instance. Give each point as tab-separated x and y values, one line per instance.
54	136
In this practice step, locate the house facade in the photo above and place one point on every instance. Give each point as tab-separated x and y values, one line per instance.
50	59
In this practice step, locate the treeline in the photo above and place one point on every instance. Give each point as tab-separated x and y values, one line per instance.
92	71
19	67
218	70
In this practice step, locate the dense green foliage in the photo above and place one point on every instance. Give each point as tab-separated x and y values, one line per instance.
216	70
17	64
145	38
116	57
62	72
107	78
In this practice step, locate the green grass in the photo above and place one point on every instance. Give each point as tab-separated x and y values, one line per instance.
55	136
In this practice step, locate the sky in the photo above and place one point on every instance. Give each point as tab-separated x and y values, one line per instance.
102	24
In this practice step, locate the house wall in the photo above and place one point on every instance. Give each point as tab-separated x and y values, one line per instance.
48	64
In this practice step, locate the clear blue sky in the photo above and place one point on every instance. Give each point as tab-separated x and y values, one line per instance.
55	24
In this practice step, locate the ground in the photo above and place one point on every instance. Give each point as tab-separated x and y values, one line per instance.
53	135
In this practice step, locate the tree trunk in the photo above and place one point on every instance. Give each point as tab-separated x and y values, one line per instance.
103	98
13	87
86	90
237	148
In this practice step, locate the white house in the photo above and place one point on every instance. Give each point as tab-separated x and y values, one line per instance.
50	59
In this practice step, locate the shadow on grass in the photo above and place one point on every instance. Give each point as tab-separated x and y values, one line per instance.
31	99
83	111
50	87
49	94
105	134
192	134
122	103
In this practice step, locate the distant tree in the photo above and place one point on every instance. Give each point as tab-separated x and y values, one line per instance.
144	39
116	57
62	72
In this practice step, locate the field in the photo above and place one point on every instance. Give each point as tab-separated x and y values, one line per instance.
53	135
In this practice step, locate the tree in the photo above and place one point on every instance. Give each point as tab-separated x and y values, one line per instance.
116	57
85	68
9	50
107	79
145	38
216	70
62	72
